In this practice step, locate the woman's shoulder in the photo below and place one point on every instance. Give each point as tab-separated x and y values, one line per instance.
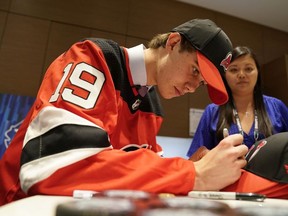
211	110
270	99
211	107
276	104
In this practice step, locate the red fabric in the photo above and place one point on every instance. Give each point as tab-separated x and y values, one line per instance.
142	169
250	182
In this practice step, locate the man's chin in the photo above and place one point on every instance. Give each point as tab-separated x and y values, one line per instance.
168	96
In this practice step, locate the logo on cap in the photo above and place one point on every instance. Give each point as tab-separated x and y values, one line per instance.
226	61
259	146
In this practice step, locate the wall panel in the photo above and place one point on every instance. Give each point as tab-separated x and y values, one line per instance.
61	37
100	14
200	98
150	17
176	122
22	54
275	44
3	19
119	38
133	41
4	5
275	78
243	33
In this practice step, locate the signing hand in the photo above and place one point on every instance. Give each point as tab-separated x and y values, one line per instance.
222	165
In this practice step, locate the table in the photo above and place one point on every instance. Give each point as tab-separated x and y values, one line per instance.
46	205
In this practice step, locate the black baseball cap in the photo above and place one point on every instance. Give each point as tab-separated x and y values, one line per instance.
268	158
214	52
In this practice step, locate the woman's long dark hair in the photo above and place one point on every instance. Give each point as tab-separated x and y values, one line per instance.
226	117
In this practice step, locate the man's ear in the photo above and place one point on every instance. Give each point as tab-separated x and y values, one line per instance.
173	39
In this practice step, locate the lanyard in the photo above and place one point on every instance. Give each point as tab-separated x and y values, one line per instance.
256	130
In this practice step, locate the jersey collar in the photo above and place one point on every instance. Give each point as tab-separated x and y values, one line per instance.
137	65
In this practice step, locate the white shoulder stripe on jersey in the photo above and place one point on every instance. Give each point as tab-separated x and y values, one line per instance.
40	169
51	117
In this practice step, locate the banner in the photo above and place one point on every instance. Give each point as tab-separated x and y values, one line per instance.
13	109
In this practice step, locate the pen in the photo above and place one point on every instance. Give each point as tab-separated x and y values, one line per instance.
227	195
225	132
83	194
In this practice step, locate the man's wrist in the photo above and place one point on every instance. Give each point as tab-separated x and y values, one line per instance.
199	184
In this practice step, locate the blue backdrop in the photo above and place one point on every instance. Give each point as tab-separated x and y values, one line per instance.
13	109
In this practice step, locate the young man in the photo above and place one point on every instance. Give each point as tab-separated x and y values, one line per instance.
93	127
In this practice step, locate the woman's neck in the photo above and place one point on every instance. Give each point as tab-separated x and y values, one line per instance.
244	104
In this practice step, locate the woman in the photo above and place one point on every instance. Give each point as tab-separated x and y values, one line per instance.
247	112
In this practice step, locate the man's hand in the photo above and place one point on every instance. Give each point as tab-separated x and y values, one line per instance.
222	165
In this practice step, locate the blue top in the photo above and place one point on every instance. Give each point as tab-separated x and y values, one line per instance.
206	130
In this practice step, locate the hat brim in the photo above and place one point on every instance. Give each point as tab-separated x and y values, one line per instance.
216	88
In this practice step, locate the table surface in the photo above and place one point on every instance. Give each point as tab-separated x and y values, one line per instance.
46	205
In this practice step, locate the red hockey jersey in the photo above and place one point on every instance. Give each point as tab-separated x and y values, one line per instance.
79	134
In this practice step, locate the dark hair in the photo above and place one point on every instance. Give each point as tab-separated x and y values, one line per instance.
226	111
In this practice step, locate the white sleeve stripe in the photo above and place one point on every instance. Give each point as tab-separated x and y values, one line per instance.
37	170
51	117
